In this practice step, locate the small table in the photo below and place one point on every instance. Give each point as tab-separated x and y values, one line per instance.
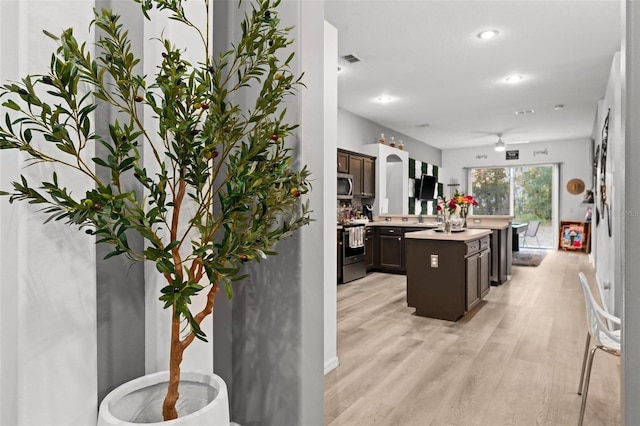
517	229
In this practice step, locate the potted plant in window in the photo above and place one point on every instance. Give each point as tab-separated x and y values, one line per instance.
224	189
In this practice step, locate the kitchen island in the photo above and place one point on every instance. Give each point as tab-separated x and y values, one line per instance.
447	273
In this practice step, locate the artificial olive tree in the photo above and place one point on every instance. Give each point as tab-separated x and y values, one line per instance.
223	190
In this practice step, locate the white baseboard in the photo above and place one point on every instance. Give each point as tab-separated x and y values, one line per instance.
331	364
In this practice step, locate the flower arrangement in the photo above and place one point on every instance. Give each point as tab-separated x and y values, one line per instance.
462	203
457	205
446	208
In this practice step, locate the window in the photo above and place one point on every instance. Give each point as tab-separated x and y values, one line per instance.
491	188
524	192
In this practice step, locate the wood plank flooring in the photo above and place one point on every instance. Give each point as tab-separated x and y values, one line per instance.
514	360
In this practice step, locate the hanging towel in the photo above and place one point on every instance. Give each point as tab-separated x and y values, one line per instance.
356	237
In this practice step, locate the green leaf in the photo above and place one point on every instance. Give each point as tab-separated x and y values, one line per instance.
116	252
100	162
172	245
11	105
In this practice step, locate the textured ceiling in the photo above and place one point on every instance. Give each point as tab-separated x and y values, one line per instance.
425	55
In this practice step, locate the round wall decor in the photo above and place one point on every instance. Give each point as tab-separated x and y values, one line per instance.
575	186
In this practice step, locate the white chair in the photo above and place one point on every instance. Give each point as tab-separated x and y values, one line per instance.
600	328
532	231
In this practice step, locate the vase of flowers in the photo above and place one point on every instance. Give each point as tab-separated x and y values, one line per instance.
446	209
462	204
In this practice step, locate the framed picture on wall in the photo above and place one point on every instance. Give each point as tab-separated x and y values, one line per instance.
573	236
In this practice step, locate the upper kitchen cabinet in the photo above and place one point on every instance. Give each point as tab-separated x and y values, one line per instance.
343	162
363	169
368	177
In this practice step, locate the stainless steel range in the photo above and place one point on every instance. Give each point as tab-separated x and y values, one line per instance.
353	252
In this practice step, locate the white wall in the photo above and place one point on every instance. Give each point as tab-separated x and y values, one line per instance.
608	252
269	340
199	356
355	131
391	165
330	202
574	158
360	135
48	373
631	294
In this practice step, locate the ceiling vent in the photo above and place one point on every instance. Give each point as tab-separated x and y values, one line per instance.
352	59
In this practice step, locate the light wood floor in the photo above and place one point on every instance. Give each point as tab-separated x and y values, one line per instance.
514	360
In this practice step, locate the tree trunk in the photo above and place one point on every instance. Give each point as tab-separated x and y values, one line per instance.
178	346
169	411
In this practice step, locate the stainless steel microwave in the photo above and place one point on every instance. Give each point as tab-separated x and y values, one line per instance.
345	186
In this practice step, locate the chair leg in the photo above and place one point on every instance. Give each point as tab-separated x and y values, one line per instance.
538	241
592	352
584	362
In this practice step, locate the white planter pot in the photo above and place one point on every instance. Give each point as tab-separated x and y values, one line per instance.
203	401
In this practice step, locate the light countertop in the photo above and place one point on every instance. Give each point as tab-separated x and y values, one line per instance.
405	224
473	221
467	235
486	222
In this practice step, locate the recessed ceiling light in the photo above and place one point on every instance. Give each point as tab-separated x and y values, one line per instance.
512	79
525	111
423	125
488	34
384	99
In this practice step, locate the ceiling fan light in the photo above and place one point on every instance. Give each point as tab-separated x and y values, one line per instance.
500	146
488	34
384	99
514	79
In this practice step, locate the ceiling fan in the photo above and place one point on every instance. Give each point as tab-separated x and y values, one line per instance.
502	145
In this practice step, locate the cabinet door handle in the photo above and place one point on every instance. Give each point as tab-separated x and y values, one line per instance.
399	239
391	231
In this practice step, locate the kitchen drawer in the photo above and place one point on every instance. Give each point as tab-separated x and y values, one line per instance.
485	243
473	246
388	230
370	231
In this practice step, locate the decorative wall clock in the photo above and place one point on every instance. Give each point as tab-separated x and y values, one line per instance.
575	186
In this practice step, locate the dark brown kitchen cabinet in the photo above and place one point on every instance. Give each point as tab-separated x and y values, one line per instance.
447	278
499	252
484	265
339	255
391	242
371	249
363	169
472	296
368	178
355	170
478	271
343	162
387	245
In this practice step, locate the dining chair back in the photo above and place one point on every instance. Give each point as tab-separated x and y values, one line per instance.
532	231
604	329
